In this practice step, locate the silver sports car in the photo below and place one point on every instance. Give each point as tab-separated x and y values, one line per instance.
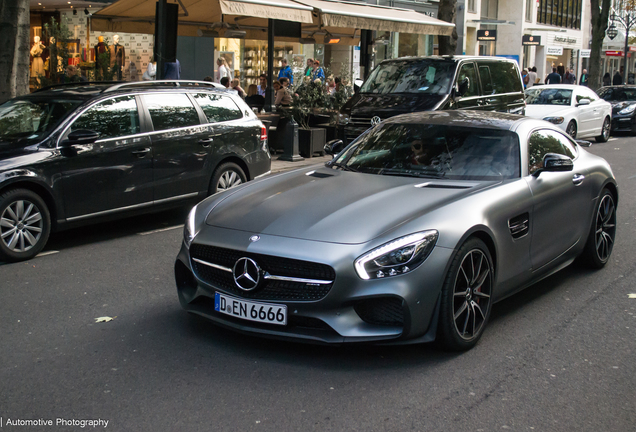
409	234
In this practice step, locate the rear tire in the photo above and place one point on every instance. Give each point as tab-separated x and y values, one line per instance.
25	224
226	176
466	297
605	132
600	240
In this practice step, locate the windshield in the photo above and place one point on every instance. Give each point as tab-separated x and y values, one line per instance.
32	119
548	96
434	151
421	77
618	94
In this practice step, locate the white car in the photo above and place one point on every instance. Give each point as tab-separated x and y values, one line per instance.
578	110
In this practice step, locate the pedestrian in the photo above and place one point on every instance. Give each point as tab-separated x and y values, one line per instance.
253	99
607	79
583	80
309	68
237	86
151	71
222	70
262	87
532	76
225	81
72	75
525	78
553	78
618	77
283	98
569	78
317	72
172	70
286	72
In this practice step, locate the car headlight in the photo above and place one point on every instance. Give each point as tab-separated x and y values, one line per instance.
189	229
343	119
628	110
555	120
397	257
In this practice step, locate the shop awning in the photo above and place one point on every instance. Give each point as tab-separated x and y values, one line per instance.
372	17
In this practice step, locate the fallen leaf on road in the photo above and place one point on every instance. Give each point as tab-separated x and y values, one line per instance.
631	296
104	319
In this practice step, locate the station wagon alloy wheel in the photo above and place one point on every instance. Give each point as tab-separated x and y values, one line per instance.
228	180
226	176
24	225
605	228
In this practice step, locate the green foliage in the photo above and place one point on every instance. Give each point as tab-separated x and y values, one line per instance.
308	98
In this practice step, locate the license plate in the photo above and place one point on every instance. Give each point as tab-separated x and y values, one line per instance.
253	311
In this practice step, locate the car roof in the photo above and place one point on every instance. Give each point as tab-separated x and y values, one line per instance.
450	58
462	118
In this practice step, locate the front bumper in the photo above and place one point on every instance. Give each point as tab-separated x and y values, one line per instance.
623	123
344	315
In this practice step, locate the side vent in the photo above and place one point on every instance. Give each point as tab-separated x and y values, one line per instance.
519	225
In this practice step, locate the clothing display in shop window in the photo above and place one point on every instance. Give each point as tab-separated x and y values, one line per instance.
117	56
37	66
100	49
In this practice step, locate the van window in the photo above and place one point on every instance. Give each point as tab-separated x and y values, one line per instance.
420	77
486	80
505	77
468	71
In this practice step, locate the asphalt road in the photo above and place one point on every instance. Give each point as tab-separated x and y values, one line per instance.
560	356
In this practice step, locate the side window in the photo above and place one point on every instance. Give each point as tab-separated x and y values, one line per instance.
486	80
543	142
590	93
218	108
111	118
171	111
468	71
505	77
580	96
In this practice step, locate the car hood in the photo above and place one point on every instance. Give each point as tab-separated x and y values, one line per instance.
543	111
333	206
617	106
389	105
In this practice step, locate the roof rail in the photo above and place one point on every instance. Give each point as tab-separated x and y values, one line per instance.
76	84
175	83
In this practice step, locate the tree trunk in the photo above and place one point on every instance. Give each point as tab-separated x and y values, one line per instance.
600	17
447	11
14	48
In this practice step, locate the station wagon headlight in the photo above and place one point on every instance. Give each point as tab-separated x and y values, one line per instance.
555	120
343	119
189	230
628	110
397	257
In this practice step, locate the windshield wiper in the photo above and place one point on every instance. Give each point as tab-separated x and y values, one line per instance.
418	174
343	167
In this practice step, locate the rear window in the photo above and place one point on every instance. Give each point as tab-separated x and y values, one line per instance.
171	111
505	77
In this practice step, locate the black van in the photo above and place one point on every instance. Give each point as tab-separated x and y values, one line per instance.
413	84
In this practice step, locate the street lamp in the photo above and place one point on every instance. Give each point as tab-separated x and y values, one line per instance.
628	21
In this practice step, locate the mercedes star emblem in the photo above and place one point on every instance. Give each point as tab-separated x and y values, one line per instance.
375	120
247	274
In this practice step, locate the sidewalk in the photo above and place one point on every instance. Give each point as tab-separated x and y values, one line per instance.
279	166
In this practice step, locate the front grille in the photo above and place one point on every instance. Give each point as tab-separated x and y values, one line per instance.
360	121
271	289
386	311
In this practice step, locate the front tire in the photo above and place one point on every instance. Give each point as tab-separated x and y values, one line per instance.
25	224
466	297
571	129
226	176
600	240
605	132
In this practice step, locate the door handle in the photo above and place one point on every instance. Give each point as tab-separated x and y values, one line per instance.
206	142
577	179
141	153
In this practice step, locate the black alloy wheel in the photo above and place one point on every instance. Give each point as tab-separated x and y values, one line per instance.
25	225
605	132
466	297
226	176
600	241
571	129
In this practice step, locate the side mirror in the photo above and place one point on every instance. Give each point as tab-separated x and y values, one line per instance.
583	102
357	84
80	136
334	147
553	162
463	87
583	143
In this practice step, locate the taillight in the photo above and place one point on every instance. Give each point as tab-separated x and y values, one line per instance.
263	133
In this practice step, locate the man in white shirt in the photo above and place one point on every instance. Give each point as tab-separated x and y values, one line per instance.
223	70
532	77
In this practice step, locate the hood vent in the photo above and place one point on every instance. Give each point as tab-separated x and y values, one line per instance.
519	225
318	174
446	185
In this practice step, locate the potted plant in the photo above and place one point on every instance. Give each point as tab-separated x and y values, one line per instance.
308	99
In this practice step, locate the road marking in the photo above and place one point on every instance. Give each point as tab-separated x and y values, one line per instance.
160	230
613	139
629	178
46	253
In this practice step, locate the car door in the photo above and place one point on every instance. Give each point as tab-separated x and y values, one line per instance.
472	98
600	110
586	115
115	171
560	199
506	94
181	143
487	88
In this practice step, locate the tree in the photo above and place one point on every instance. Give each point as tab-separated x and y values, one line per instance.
600	18
14	49
447	11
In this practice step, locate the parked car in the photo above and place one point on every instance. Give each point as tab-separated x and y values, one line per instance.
81	153
623	101
575	109
409	234
413	84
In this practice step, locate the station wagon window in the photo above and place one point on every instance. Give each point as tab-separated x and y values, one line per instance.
486	80
468	71
546	141
111	118
218	108
171	111
505	77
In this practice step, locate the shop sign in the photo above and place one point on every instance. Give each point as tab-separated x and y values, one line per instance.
585	53
614	53
530	40
486	35
632	48
567	40
554	50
